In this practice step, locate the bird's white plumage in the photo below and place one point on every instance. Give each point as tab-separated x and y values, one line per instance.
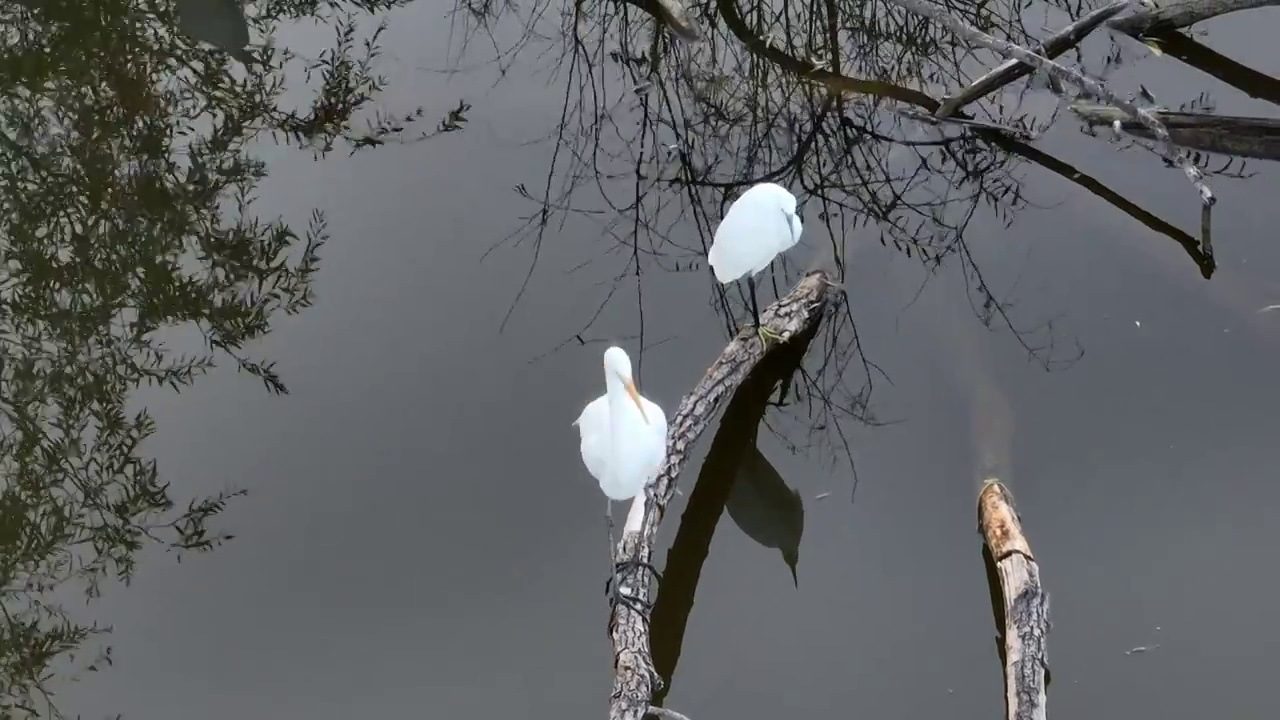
622	449
758	227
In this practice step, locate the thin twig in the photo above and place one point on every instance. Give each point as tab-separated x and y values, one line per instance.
966	122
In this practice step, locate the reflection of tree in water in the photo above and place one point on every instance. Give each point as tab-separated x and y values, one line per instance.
128	188
658	135
807	95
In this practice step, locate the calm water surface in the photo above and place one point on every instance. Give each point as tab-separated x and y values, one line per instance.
420	537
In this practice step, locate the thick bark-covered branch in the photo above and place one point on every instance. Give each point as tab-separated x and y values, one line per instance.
634	675
1053	46
1175	14
707	501
1023	615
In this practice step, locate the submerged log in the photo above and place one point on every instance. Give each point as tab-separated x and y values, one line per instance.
1023	616
1252	137
634	676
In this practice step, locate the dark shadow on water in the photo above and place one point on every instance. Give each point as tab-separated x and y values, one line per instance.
688	553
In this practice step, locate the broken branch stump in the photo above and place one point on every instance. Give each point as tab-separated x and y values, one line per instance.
1025	624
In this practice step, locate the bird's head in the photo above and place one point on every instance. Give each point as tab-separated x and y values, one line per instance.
617	369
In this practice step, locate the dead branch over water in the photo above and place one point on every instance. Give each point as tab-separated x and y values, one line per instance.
799	311
1023	614
1053	46
976	37
1251	137
1177	14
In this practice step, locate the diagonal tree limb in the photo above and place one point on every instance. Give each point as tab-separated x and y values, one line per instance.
707	500
634	676
1053	46
1089	85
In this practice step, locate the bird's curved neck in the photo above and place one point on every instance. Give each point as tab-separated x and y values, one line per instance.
613	382
616	390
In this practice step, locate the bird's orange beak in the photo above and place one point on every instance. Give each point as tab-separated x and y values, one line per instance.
635	397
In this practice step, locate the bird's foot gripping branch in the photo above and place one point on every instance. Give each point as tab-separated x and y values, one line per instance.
634	676
766	336
623	590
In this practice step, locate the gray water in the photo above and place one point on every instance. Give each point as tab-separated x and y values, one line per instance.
420	538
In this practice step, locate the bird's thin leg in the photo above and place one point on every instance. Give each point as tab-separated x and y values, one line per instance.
765	334
612	588
611	585
755	304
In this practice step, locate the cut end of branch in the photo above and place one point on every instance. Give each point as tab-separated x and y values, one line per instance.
999	521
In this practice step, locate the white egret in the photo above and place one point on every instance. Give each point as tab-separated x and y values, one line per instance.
760	225
623	435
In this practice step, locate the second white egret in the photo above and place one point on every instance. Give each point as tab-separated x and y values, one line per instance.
623	436
760	225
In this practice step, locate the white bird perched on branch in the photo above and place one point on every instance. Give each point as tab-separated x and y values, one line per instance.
760	225
623	438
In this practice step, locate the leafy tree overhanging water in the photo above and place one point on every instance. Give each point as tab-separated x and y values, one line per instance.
127	183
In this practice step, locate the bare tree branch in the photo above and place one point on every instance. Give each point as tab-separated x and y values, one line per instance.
1074	77
635	677
1053	46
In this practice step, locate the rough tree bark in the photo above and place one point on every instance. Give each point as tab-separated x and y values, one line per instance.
634	675
1025	625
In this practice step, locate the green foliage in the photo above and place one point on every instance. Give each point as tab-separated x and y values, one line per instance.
127	186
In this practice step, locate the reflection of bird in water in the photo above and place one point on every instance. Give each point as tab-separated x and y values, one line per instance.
759	226
624	440
764	507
